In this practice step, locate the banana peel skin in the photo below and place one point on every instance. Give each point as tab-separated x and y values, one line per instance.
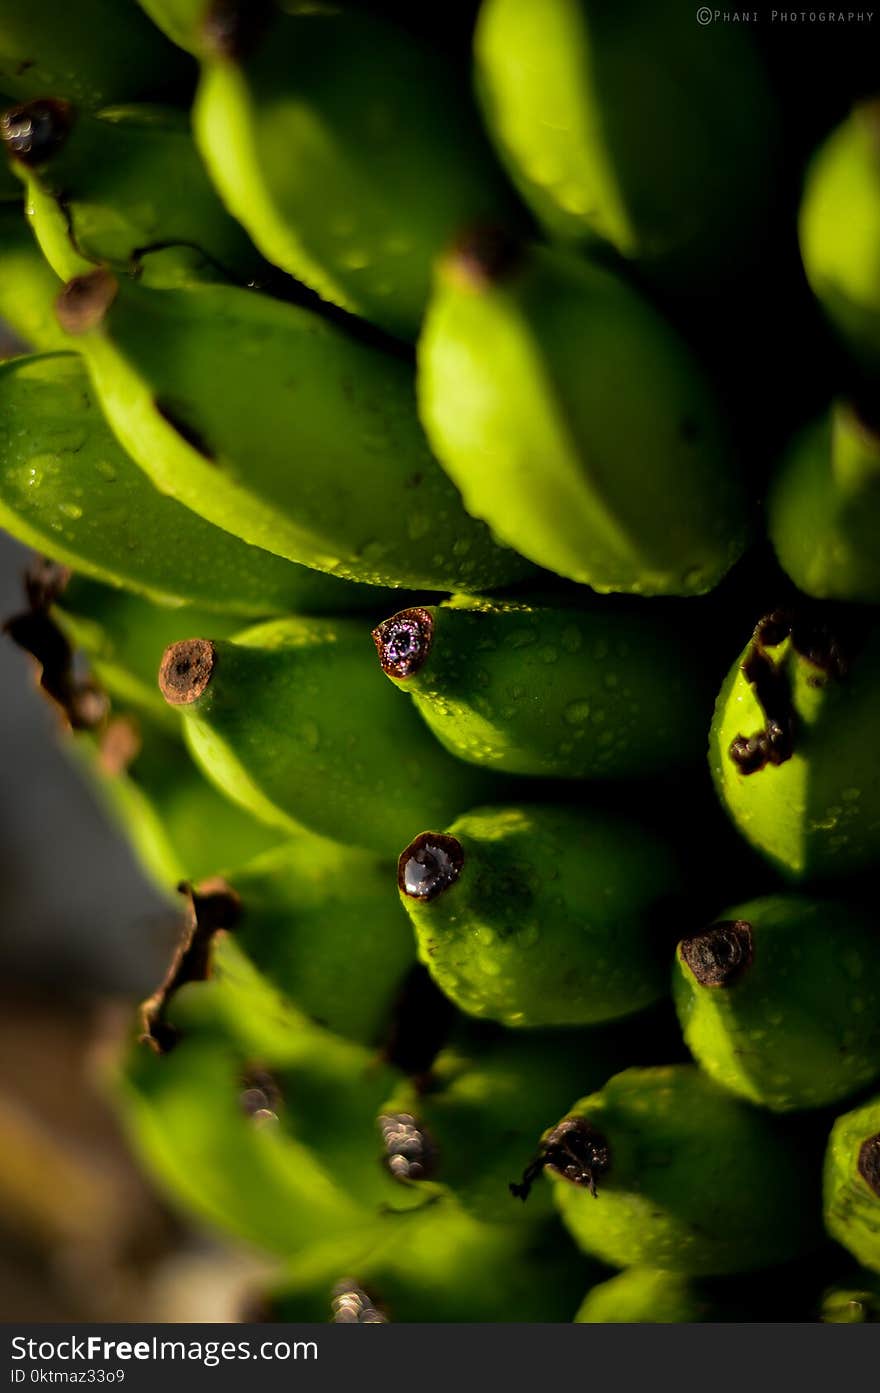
259	442
576	422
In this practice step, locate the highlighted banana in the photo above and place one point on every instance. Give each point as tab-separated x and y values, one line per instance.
793	745
576	423
330	177
688	1179
840	232
67	489
541	915
779	1000
528	689
852	1183
627	124
303	441
823	511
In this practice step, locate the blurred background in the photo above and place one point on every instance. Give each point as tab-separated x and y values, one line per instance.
83	938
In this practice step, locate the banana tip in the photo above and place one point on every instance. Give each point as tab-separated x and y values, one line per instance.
719	956
404	641
186	670
869	1163
34	132
429	865
481	257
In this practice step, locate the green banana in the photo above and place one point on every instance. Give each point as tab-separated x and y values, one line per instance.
468	1130
576	422
303	441
622	123
840	232
794	741
852	1183
317	919
823	512
662	1168
28	287
541	915
780	1000
94	52
123	637
650	1296
601	693
854	1301
329	176
68	489
292	722
125	179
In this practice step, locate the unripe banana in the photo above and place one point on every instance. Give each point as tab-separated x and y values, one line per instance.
626	124
840	232
576	422
852	1301
292	720
330	177
470	1128
662	1168
541	915
824	509
68	489
126	179
563	693
123	637
651	1296
852	1183
303	441
28	287
779	1001
94	52
317	919
794	742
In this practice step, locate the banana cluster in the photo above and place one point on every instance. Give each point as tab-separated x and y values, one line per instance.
391	395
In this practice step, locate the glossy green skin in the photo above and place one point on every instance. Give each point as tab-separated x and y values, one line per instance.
817	814
177	824
318	920
488	1101
576	423
852	1209
328	177
853	1302
316	451
698	1183
69	490
800	1026
560	693
28	286
520	941
646	1296
299	726
622	123
93	53
839	230
130	177
824	510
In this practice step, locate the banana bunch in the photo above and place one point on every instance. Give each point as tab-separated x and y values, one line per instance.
381	426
